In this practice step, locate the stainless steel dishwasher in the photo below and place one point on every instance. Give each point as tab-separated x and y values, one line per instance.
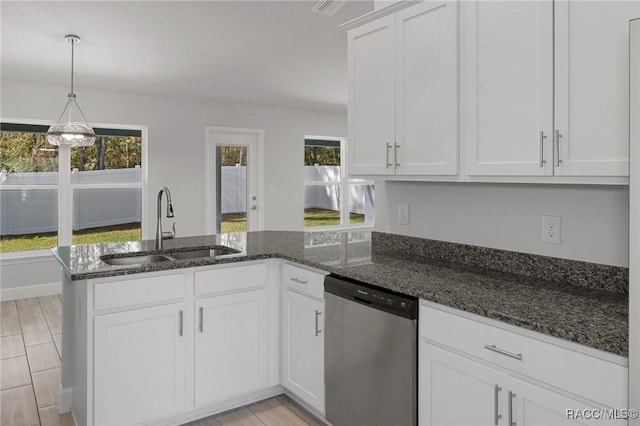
370	355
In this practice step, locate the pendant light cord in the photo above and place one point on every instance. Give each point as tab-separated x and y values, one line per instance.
73	42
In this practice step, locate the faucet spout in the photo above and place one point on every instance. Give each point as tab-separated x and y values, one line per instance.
159	235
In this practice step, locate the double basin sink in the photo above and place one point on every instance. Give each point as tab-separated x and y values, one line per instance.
145	258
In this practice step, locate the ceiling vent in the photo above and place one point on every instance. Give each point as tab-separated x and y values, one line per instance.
328	7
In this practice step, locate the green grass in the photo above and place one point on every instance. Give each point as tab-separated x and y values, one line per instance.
319	217
233	222
237	222
111	234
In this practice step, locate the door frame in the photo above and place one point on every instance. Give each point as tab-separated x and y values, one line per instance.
255	167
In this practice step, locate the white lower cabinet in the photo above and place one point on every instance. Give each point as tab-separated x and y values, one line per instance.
302	334
303	348
139	365
473	370
230	345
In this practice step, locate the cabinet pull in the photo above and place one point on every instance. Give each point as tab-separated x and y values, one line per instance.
201	320
511	396
298	280
395	155
542	138
318	313
496	415
494	348
180	322
387	163
558	136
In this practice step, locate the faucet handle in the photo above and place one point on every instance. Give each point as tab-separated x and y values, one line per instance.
169	234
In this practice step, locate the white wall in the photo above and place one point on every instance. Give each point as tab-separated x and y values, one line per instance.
594	219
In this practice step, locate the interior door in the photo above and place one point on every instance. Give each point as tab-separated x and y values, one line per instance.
233	202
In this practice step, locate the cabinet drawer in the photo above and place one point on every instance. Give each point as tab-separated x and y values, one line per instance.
137	291
558	365
303	280
224	280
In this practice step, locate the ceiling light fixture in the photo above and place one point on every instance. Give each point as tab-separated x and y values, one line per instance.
66	132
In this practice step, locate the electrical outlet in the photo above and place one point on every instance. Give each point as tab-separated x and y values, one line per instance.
551	229
403	214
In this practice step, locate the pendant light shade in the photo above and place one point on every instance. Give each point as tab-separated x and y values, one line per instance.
66	131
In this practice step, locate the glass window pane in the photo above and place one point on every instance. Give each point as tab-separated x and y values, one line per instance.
322	205
361	204
27	159
112	159
29	219
232	188
322	160
107	215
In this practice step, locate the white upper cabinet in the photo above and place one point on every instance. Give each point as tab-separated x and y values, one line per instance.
507	87
592	87
544	87
403	108
371	108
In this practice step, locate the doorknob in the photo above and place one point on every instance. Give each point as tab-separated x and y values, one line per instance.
254	207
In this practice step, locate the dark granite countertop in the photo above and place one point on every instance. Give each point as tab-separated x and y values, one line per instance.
593	317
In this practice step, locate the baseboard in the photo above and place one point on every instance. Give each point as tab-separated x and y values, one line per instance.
64	400
220	407
25	292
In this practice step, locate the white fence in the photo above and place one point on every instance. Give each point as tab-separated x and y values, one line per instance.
35	210
29	211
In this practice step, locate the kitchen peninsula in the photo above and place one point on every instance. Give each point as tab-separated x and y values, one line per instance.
560	300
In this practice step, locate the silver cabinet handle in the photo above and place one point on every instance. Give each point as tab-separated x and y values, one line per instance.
542	138
180	323
318	313
503	352
201	320
511	396
387	163
496	415
298	280
395	154
558	136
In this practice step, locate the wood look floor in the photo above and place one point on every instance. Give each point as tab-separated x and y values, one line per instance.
30	352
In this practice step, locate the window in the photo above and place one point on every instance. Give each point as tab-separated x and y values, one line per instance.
105	187
330	198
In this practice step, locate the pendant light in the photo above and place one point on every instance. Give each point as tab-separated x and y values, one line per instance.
66	132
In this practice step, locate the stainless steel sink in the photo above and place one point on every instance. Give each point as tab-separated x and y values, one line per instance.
137	260
169	256
195	254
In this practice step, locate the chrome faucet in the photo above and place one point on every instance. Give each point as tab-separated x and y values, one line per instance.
161	236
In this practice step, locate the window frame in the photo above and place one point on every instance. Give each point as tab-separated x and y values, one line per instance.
65	188
343	184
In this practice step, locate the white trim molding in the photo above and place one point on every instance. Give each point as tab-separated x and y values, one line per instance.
28	291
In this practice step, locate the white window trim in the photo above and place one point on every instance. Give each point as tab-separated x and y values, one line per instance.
65	209
344	189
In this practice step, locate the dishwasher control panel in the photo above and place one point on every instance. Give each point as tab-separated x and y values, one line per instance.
374	297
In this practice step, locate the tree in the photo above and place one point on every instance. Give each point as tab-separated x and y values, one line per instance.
30	152
232	155
322	155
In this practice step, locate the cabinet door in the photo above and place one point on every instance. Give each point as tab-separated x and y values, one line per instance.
303	348
507	87
454	390
371	110
139	365
592	86
537	406
427	89
230	345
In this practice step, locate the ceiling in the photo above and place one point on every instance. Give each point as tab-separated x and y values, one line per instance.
259	52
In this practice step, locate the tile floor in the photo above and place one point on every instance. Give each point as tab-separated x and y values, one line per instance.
30	374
